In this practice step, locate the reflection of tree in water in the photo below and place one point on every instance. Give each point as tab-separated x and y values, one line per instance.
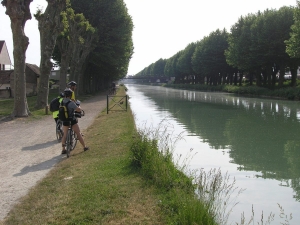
261	134
292	155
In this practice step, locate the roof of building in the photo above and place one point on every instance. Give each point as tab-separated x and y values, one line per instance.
1	45
34	68
5	76
4	55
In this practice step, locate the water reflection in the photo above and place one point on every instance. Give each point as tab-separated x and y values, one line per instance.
261	135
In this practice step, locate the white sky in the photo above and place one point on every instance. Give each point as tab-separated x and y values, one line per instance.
161	27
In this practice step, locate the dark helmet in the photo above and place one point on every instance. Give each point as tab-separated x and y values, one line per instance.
68	92
62	94
72	83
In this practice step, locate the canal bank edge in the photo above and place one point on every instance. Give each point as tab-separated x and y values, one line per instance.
62	195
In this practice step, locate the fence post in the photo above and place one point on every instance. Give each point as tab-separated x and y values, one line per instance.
47	109
106	104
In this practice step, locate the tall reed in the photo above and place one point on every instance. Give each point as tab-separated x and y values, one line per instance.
188	197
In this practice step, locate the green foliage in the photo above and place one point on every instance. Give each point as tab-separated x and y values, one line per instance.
110	22
115	47
6	105
157	165
256	48
154	159
293	44
184	63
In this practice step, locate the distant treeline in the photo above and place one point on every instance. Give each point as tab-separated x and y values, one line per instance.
259	48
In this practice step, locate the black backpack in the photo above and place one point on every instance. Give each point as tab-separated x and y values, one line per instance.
63	112
54	104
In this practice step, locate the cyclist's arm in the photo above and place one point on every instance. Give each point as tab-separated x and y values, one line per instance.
74	107
73	96
78	109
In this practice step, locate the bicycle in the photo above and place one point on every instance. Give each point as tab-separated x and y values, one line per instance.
71	139
59	130
111	91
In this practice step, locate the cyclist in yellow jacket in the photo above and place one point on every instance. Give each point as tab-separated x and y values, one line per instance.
55	113
72	107
72	85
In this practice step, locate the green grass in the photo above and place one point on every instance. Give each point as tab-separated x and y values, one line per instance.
94	187
7	105
127	177
186	197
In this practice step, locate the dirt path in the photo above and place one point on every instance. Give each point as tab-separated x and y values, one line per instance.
29	150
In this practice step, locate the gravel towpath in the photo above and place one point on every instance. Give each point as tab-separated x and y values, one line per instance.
29	150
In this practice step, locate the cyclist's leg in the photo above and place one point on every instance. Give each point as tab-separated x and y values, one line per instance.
69	144
76	129
63	140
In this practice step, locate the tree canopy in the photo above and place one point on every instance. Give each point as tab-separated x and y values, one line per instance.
257	47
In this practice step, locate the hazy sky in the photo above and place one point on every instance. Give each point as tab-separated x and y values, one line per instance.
161	27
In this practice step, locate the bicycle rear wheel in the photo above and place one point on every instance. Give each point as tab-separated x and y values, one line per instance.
59	131
69	143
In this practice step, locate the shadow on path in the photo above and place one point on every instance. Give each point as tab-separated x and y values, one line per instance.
38	167
40	146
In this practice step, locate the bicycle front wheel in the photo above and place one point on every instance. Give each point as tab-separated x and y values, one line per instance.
74	140
69	143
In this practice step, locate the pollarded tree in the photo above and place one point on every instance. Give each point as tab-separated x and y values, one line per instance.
270	31
184	63
168	68
111	57
210	56
196	63
150	70
82	38
62	57
19	13
293	43
50	25
158	67
239	46
171	69
282	21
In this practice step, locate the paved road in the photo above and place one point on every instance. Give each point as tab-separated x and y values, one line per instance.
29	150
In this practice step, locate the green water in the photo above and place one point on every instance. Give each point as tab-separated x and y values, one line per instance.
257	141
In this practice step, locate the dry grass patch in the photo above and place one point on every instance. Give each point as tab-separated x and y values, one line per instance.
93	187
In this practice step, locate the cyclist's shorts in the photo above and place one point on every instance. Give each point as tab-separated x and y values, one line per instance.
66	123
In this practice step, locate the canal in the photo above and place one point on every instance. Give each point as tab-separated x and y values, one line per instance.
257	141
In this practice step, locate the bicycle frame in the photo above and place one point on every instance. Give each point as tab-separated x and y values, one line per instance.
71	140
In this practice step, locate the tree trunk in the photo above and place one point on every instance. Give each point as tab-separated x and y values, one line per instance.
281	75
235	79
49	26
64	64
64	47
19	13
294	76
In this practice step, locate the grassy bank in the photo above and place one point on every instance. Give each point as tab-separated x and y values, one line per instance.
7	105
123	179
93	187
